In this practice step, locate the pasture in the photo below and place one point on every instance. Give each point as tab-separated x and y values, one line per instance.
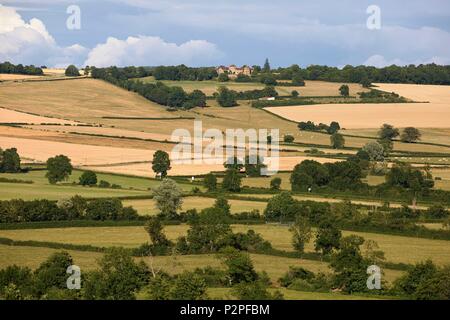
398	249
311	88
11	116
41	189
148	206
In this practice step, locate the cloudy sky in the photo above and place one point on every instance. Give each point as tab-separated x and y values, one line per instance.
211	32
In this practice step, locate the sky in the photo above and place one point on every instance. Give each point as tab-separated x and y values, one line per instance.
216	32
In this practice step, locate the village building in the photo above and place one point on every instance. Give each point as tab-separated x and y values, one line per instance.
234	71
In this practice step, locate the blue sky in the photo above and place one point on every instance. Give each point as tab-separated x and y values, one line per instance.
212	32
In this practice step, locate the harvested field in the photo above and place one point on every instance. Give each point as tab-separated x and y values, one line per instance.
11	116
354	116
105	131
142	169
80	154
434	94
10	77
351	116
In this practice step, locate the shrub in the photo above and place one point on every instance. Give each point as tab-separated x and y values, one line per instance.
275	183
88	178
104	184
72	71
288	138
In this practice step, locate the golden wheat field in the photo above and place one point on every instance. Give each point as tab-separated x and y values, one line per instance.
433	114
11	116
12	77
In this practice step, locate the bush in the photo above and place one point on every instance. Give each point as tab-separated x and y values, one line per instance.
9	161
275	183
288	138
226	97
72	71
104	184
210	182
88	178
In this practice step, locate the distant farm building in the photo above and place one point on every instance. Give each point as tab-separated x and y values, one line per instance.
234	71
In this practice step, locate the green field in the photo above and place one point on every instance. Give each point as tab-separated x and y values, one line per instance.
148	206
398	249
225	293
42	189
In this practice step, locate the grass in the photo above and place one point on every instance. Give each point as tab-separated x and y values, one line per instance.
312	88
95	99
398	249
148	206
41	189
31	257
225	294
274	266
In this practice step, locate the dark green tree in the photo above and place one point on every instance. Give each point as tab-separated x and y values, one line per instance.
52	273
350	268
254	165
239	266
208	231
161	163
221	203
72	71
388	132
344	90
226	97
210	182
223	77
281	207
232	181
266	68
154	228
119	277
328	237
333	128
275	183
337	141
88	178
9	161
410	135
59	168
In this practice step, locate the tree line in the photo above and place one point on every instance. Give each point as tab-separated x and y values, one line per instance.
421	74
7	67
75	208
182	72
174	97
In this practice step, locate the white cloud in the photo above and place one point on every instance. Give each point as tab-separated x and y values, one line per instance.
31	43
144	50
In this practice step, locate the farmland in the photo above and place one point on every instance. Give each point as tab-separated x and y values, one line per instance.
115	133
311	88
431	111
398	249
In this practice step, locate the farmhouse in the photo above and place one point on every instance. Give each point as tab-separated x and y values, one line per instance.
235	71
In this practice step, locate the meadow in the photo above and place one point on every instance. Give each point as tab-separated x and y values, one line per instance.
42	189
398	249
148	206
311	88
